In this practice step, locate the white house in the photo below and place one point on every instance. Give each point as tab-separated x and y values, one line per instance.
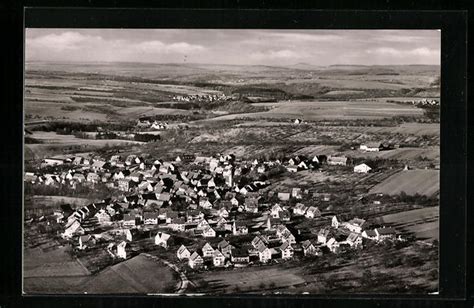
385	233
218	259
209	232
207	250
312	212
286	250
183	253
161	239
362	168
195	260
264	253
122	250
355	225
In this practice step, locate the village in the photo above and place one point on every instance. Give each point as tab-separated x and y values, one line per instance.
202	210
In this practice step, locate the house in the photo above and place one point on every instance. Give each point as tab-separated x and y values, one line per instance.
300	209
150	218
52	162
335	222
258	240
369	234
362	168
337	161
286	250
283	196
296	193
86	241
285	215
309	249
333	245
372	147
223	212
355	225
195	260
354	240
208	232
161	239
239	229
239	256
122	250
103	217
264	253
134	234
202	224
93	177
225	247
251	205
128	220
218	259
292	168
193	216
323	236
177	224
124	184
312	212
183	253
385	233
275	211
73	228
207	250
205	203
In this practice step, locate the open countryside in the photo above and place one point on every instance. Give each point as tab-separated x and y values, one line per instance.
195	178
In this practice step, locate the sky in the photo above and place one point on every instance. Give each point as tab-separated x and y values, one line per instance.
239	47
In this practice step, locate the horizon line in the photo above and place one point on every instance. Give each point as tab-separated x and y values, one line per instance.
228	64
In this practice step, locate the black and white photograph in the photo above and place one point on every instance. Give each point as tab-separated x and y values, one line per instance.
231	161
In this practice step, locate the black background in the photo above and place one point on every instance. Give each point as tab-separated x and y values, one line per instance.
455	275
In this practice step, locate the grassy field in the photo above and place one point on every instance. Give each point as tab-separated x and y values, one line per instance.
404	154
49	273
53	271
247	279
321	110
139	275
423	223
53	144
381	269
423	182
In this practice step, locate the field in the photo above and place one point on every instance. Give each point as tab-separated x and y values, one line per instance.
423	182
378	268
53	271
53	144
423	223
249	279
323	110
133	276
49	273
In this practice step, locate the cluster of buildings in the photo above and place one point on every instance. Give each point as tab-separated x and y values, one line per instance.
198	196
145	123
200	97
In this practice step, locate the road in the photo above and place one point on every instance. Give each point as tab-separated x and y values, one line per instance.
184	280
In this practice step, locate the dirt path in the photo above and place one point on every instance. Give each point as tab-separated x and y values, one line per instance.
184	280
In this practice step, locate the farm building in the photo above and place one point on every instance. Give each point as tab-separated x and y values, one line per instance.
372	147
384	233
362	168
337	160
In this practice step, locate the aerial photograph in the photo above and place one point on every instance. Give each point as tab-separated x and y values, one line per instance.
231	161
